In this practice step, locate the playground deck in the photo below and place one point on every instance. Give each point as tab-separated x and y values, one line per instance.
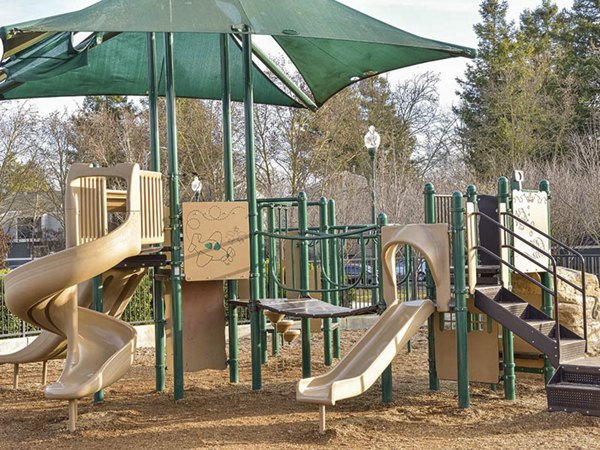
218	414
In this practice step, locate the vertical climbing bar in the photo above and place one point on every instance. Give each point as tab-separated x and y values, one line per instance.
335	276
273	291
97	306
508	355
547	281
252	211
262	282
159	331
460	298
326	296
176	259
434	382
304	280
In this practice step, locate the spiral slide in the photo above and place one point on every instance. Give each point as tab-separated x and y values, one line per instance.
119	285
44	292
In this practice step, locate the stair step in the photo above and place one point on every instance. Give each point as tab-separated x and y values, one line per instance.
574	397
581	374
543	326
514	308
571	349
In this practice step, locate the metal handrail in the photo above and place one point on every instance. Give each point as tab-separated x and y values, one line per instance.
573	252
554	291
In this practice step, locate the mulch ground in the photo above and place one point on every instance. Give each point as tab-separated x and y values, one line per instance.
217	414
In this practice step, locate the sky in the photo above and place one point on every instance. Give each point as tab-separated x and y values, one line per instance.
444	20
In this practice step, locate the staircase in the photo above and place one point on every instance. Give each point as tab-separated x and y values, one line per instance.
576	384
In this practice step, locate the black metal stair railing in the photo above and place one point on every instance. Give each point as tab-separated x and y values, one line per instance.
555	275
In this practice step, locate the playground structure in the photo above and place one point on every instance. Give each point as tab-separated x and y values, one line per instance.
55	292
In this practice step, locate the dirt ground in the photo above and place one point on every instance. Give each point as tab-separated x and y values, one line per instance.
216	414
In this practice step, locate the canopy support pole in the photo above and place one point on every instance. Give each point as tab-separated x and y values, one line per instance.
229	197
176	262
157	297
252	211
287	81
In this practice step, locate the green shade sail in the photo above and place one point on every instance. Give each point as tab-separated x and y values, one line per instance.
331	45
119	66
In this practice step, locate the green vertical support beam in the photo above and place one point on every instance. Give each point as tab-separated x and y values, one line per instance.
508	354
326	296
547	281
387	382
334	275
159	331
157	297
272	271
97	306
153	103
229	197
176	259
374	247
262	278
434	381
460	297
304	280
255	338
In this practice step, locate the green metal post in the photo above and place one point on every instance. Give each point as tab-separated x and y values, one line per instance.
335	276
323	228
252	212
159	331
229	197
304	280
434	381
460	298
508	354
153	103
157	293
262	278
97	306
176	259
548	282
387	381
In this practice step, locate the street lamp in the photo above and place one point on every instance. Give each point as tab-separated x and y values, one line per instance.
372	141
196	187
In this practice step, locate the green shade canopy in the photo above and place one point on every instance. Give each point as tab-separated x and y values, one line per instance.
331	45
119	66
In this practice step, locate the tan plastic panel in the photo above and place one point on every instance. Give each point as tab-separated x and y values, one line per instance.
216	241
433	242
369	357
472	244
44	292
203	314
483	346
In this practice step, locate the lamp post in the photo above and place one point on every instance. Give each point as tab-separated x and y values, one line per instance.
372	142
196	187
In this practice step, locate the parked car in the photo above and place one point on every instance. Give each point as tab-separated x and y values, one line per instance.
401	270
353	273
